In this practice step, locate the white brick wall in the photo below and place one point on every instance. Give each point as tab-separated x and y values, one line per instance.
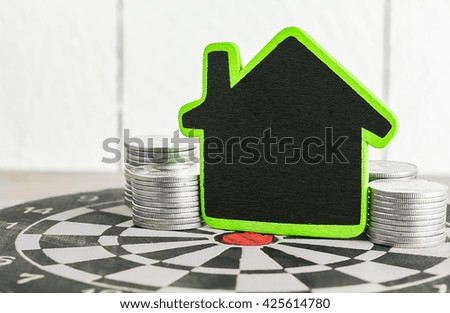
57	84
62	90
420	83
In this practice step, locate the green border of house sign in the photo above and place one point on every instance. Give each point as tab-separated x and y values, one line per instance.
368	138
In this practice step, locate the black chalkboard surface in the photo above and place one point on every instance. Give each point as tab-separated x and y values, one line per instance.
284	140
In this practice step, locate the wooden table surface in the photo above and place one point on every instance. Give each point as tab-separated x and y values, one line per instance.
90	243
19	187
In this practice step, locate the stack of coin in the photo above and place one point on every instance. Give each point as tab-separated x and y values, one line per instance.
407	213
166	197
156	150
391	170
128	196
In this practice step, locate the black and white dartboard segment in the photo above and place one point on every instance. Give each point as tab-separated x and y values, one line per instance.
87	243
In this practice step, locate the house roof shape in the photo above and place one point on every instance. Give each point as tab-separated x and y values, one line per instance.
241	109
237	73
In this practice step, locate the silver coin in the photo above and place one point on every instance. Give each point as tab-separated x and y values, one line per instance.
165	210
159	143
408	189
184	179
383	169
166	164
407	217
407	206
165	222
375	196
171	221
152	210
189	183
397	239
376	225
431	201
126	172
160	154
402	234
418	223
410	212
406	234
157	153
167	216
162	163
164	170
162	194
128	196
174	164
150	219
163	157
371	179
167	196
388	243
169	227
166	205
137	164
166	199
128	199
409	240
166	189
158	224
175	205
127	191
149	173
162	188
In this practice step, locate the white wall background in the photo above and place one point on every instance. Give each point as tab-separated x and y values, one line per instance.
75	72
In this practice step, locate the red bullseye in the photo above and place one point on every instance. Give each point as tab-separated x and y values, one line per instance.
246	239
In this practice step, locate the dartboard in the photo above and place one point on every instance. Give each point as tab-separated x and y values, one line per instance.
88	243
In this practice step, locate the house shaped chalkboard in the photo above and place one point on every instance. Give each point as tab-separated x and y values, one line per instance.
284	140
